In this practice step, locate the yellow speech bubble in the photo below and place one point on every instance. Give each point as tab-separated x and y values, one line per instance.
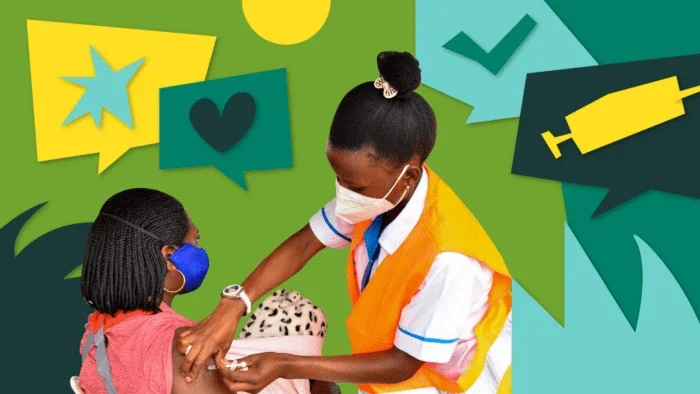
59	50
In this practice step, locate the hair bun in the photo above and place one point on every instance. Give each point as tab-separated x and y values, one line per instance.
401	70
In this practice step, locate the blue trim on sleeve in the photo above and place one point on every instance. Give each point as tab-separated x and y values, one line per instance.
431	340
328	222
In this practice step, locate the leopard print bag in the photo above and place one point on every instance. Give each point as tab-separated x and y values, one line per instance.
285	313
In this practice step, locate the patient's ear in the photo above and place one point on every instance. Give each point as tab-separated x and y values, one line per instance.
166	251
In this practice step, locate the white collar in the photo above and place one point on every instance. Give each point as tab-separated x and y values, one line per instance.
397	231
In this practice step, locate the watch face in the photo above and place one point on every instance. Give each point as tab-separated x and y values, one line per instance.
232	290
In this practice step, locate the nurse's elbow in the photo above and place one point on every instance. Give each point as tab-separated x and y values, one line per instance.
402	375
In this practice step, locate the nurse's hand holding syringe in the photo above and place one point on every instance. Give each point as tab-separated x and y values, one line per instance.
388	367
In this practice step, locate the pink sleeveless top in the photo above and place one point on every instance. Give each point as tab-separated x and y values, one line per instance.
139	351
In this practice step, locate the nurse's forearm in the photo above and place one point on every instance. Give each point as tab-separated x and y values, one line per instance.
285	261
387	367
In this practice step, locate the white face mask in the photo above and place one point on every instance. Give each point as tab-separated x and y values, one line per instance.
355	208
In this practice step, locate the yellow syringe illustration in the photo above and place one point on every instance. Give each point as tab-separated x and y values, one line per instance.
621	114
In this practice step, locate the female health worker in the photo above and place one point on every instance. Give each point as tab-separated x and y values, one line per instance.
430	292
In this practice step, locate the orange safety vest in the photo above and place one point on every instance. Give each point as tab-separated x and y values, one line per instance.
445	225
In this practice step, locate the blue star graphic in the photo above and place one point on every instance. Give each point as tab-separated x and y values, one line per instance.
107	89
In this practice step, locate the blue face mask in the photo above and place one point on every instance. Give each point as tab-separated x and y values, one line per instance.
192	261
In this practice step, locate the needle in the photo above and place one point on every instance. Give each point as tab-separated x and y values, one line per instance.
232	366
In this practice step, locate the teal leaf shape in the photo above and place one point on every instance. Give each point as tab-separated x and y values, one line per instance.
45	313
597	351
669	223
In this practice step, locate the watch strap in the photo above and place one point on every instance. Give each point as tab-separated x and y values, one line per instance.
243	296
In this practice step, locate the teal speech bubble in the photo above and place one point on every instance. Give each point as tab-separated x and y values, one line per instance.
236	124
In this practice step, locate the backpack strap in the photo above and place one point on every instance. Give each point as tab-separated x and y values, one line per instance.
101	359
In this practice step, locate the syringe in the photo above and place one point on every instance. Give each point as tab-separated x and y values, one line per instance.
621	114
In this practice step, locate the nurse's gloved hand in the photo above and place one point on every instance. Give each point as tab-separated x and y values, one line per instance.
209	337
253	373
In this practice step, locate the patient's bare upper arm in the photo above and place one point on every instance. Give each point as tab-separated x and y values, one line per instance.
206	382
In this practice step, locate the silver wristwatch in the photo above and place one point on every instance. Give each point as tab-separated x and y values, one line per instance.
237	292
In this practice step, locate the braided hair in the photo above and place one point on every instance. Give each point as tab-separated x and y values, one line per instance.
123	268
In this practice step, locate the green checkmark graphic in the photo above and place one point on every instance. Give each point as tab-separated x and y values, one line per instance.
496	59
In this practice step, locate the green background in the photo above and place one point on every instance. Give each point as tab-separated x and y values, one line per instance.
239	228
